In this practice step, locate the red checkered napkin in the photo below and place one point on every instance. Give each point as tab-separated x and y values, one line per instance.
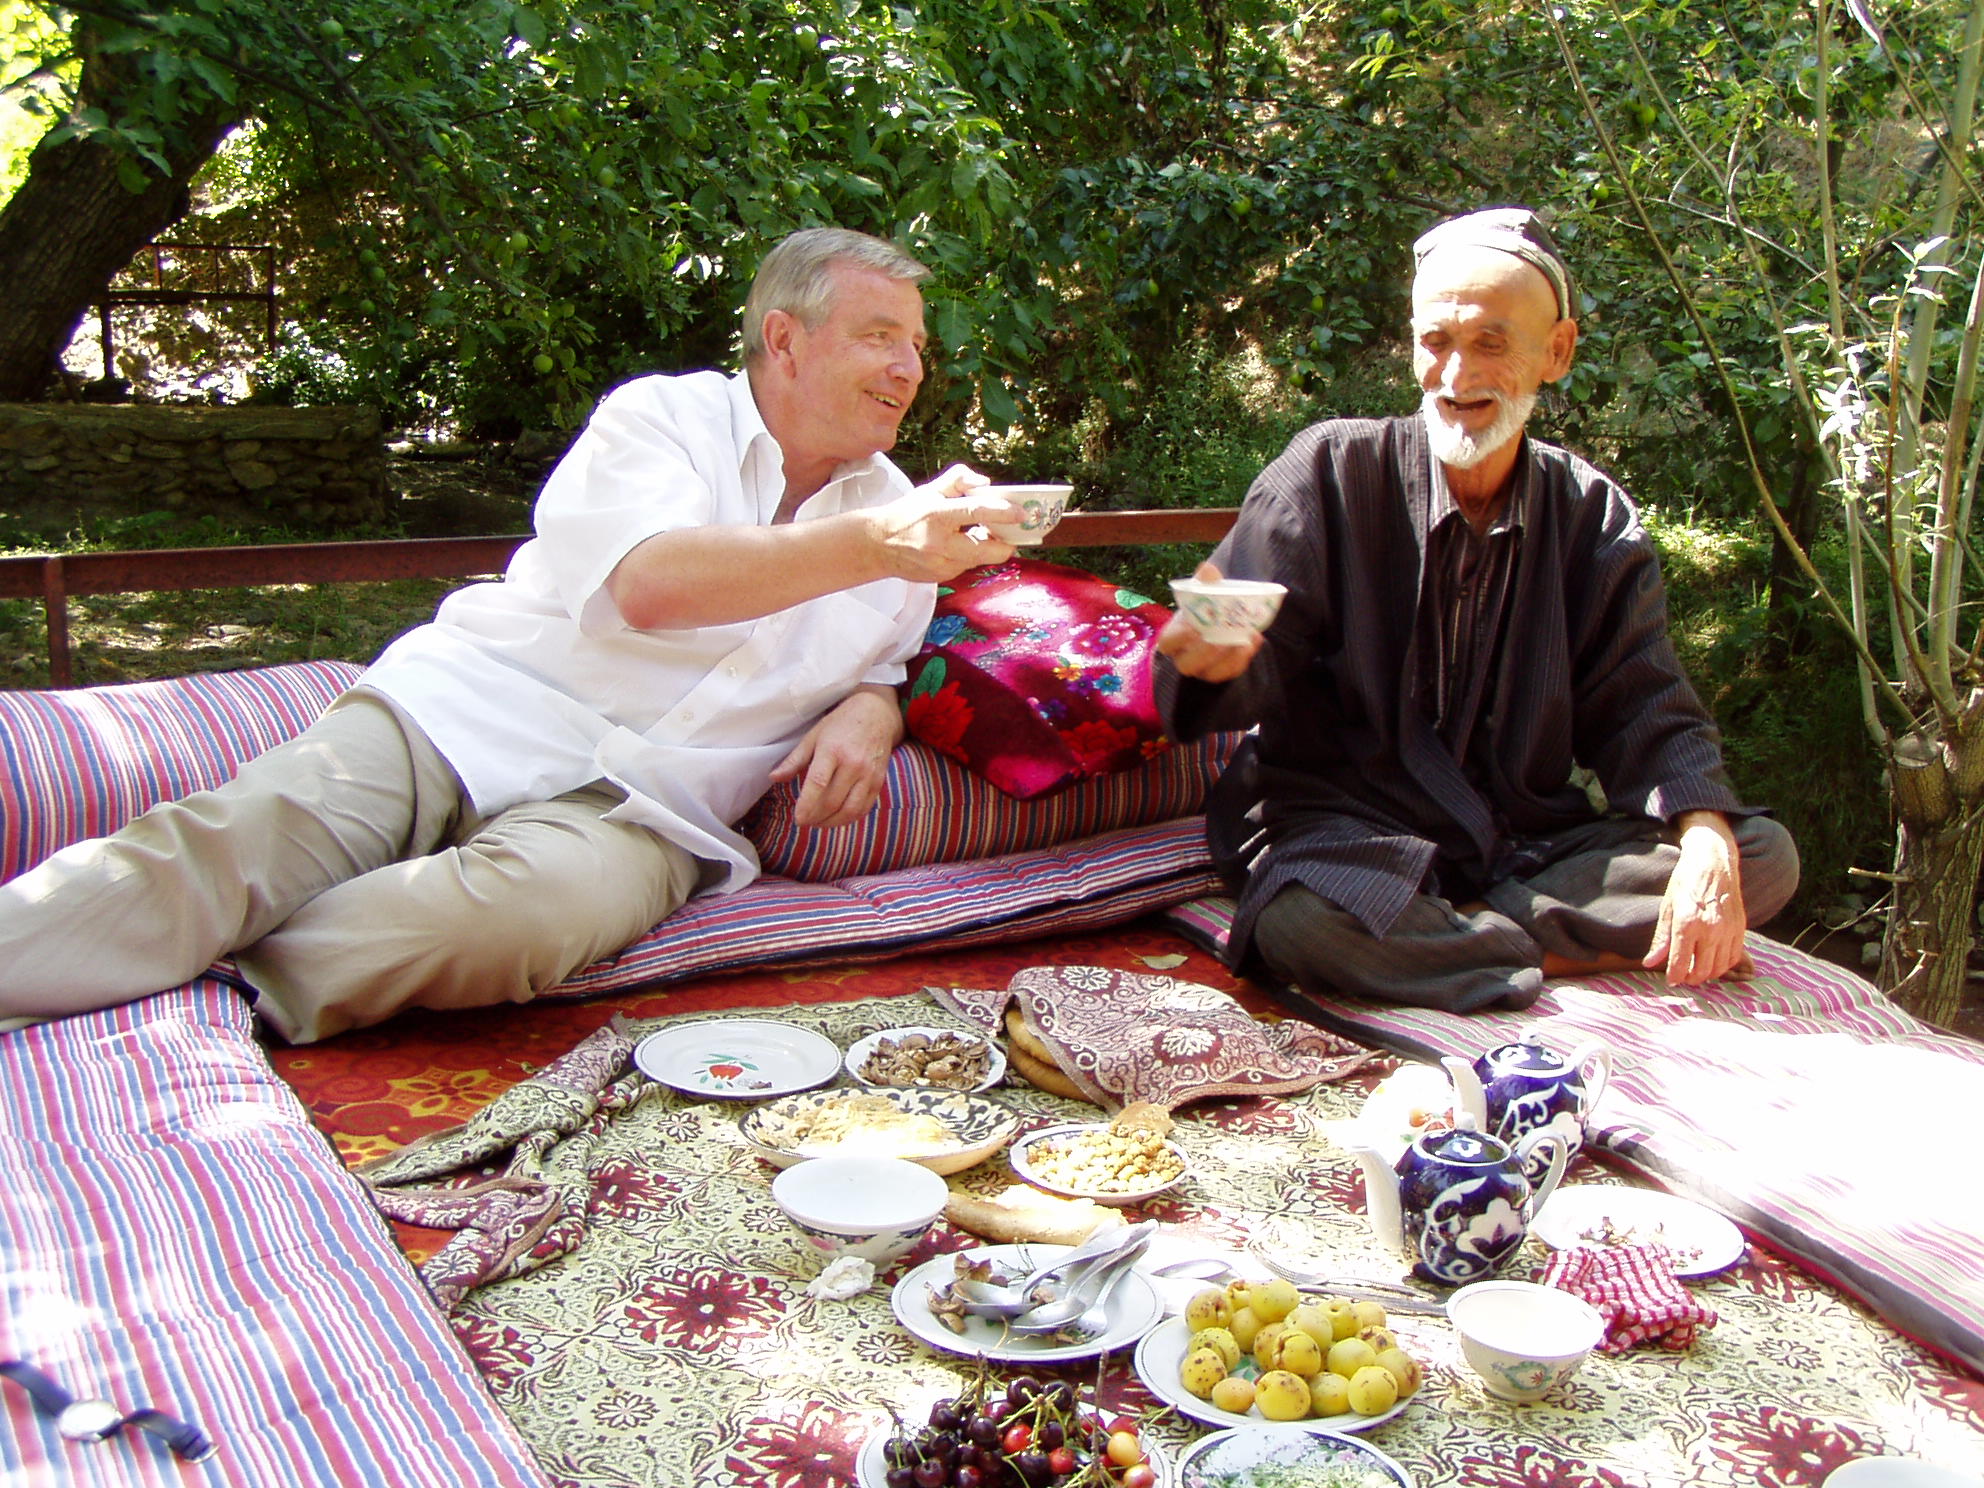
1635	1291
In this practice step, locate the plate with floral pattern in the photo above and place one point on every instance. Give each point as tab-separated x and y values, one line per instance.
737	1058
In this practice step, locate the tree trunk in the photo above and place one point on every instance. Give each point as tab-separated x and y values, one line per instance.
1939	846
73	224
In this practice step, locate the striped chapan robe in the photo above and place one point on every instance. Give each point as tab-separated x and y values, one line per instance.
1349	787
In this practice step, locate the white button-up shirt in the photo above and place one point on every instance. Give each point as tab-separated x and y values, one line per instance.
535	686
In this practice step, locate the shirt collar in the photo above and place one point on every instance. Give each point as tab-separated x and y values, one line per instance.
1442	508
762	461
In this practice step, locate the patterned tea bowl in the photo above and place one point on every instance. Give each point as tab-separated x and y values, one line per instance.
1042	505
1227	611
1521	1338
876	1208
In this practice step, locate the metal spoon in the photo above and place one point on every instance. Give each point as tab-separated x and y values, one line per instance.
984	1299
1081	1296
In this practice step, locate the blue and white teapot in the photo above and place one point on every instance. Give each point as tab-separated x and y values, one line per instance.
1527	1087
1458	1202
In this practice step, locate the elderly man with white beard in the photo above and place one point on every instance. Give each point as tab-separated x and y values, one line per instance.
1471	615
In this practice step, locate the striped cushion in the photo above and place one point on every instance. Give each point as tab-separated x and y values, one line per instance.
175	1232
780	921
1803	1104
81	763
934	810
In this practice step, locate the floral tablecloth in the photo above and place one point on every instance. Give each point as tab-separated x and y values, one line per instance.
676	1344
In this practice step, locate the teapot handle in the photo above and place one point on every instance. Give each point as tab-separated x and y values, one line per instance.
1599	1058
1560	1155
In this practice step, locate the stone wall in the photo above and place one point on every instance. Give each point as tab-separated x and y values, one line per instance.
315	468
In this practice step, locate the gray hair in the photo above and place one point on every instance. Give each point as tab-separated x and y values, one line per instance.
797	277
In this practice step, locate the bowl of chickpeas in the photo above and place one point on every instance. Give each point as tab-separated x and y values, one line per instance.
1109	1163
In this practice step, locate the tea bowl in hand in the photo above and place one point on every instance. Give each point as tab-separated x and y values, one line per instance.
1521	1338
876	1208
1041	508
1227	612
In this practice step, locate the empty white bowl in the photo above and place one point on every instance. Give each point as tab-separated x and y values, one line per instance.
1042	506
876	1208
1227	611
1523	1339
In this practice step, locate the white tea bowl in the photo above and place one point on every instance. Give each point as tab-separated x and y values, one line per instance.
1227	611
1042	507
1521	1338
876	1208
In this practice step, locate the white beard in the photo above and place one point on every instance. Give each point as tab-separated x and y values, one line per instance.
1453	445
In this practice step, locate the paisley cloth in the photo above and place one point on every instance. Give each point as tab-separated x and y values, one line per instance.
1125	1036
531	1212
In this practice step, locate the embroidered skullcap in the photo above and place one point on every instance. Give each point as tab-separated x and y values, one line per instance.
1515	230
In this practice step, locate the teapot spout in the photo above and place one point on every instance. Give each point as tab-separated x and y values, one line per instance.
1469	1097
1381	1196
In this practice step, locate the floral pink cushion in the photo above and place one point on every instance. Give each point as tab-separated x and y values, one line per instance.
1036	676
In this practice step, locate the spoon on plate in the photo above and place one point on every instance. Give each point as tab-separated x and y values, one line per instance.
1083	1303
984	1299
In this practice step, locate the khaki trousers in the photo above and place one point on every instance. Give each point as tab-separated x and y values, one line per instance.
350	877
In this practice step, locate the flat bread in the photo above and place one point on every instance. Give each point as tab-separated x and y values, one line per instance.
1022	1214
1031	1060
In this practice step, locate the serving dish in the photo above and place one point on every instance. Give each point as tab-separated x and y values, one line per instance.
1702	1241
737	1058
1133	1307
975	1127
1026	1152
859	1051
1162	1350
1291	1447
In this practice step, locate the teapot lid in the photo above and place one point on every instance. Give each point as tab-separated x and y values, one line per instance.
1462	1143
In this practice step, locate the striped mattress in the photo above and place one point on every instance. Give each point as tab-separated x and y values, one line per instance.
1829	1124
175	1233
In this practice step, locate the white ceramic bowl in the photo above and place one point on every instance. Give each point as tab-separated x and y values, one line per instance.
1227	611
1025	1153
1523	1339
873	1207
859	1051
1043	506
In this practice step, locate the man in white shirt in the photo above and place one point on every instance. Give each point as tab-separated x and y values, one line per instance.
727	577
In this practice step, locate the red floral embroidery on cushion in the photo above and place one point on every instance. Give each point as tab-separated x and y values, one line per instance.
940	720
1096	743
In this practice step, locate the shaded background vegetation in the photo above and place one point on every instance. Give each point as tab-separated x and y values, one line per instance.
1168	233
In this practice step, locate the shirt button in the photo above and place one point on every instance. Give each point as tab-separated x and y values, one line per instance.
687	716
730	671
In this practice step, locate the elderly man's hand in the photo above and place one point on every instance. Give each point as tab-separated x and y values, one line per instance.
937	531
1700	933
1199	658
845	758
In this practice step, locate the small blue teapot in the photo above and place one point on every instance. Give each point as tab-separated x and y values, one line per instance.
1527	1087
1458	1203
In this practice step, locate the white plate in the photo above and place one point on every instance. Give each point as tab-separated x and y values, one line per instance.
1163	1350
1022	1160
1133	1307
737	1058
871	1467
1704	1241
860	1049
1288	1445
1898	1472
978	1127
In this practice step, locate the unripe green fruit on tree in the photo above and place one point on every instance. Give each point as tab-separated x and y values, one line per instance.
330	30
607	177
542	364
519	240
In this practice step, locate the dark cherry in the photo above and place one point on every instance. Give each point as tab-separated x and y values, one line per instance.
930	1473
900	1477
982	1429
1050	1435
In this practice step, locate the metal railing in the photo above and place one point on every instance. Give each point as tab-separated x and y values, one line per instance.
56	578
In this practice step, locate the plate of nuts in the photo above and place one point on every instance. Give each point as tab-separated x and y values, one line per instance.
1114	1162
926	1058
